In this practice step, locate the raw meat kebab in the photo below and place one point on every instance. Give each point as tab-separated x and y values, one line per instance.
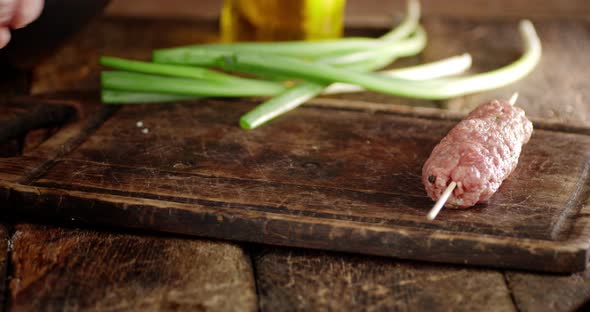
477	154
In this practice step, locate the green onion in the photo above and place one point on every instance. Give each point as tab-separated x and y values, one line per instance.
367	60
341	52
499	77
443	68
432	89
280	104
127	81
225	60
291	67
380	57
181	72
372	56
408	25
308	49
129	97
299	49
304	91
164	69
446	67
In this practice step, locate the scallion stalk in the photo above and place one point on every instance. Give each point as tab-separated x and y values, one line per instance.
366	60
280	104
128	81
164	69
432	89
370	60
298	49
182	72
408	25
239	62
438	69
309	49
442	68
129	97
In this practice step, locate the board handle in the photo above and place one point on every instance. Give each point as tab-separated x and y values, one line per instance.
34	123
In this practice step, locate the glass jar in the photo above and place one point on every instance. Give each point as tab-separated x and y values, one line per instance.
275	20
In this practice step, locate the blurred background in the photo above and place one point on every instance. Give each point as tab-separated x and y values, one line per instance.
375	12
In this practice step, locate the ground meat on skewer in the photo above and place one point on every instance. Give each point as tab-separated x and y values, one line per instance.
478	154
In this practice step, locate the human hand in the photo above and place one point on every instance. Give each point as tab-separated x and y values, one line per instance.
16	14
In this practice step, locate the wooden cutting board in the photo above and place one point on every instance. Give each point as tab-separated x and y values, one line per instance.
334	175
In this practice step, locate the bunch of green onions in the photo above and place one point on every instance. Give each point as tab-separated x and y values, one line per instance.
292	73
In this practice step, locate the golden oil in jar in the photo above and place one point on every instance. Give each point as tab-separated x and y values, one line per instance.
278	20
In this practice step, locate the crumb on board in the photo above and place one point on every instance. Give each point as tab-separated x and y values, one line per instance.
145	130
139	124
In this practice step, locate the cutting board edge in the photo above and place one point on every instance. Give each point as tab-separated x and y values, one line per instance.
481	250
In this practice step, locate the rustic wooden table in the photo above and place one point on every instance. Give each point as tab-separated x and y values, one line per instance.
64	267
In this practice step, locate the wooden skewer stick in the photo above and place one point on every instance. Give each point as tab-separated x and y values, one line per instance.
513	98
441	201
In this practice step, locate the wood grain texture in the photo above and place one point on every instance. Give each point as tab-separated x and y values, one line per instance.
38	116
4	263
313	180
295	280
338	162
536	292
57	269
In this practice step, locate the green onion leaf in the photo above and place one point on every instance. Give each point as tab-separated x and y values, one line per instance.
128	81
443	68
129	97
431	89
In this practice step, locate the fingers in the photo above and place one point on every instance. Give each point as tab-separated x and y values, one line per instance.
17	14
26	11
4	36
7	9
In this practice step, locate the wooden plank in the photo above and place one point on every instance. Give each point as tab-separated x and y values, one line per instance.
34	116
297	183
536	292
321	281
4	263
72	269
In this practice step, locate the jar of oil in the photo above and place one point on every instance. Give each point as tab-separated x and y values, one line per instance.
274	20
